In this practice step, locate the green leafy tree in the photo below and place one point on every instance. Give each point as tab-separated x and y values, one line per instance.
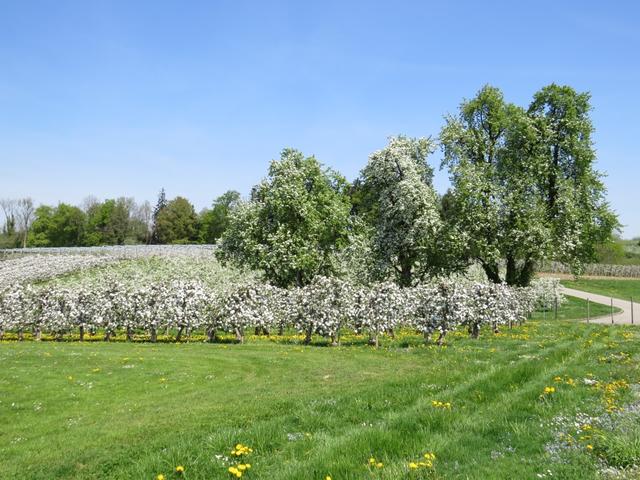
177	222
215	221
294	224
62	226
502	202
108	222
577	209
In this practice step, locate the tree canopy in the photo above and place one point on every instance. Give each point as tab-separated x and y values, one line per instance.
294	223
402	206
177	222
215	221
520	192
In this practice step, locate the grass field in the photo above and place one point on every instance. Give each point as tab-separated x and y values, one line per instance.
575	309
623	289
134	411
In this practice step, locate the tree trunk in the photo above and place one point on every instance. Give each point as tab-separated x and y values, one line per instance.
82	333
129	334
307	336
239	335
107	336
405	271
38	335
20	335
441	338
475	331
512	275
335	340
179	334
427	337
261	331
211	335
521	275
154	335
527	272
492	271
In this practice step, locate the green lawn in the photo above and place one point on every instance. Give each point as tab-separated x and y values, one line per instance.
575	309
133	411
623	289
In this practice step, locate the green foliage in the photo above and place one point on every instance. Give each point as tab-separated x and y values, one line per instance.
577	209
524	187
294	224
619	252
611	252
215	221
161	204
177	222
108	223
61	226
491	152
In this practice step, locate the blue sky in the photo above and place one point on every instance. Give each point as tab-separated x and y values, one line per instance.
123	98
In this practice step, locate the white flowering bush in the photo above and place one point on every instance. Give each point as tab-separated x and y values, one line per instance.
547	293
324	307
134	304
382	309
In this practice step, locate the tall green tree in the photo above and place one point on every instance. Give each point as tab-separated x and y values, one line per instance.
161	204
577	209
293	225
215	221
62	226
177	222
498	156
108	223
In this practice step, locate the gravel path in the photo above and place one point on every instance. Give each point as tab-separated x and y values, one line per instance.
625	316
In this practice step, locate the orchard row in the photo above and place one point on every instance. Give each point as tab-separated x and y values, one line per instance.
325	307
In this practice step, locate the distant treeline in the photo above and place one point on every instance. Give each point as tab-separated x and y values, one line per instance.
118	221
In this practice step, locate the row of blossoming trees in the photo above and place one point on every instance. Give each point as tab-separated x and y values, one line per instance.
325	307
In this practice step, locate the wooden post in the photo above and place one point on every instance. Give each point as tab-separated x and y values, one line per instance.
612	311
631	310
588	311
556	306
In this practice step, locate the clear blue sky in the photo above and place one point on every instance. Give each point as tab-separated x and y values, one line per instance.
123	98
